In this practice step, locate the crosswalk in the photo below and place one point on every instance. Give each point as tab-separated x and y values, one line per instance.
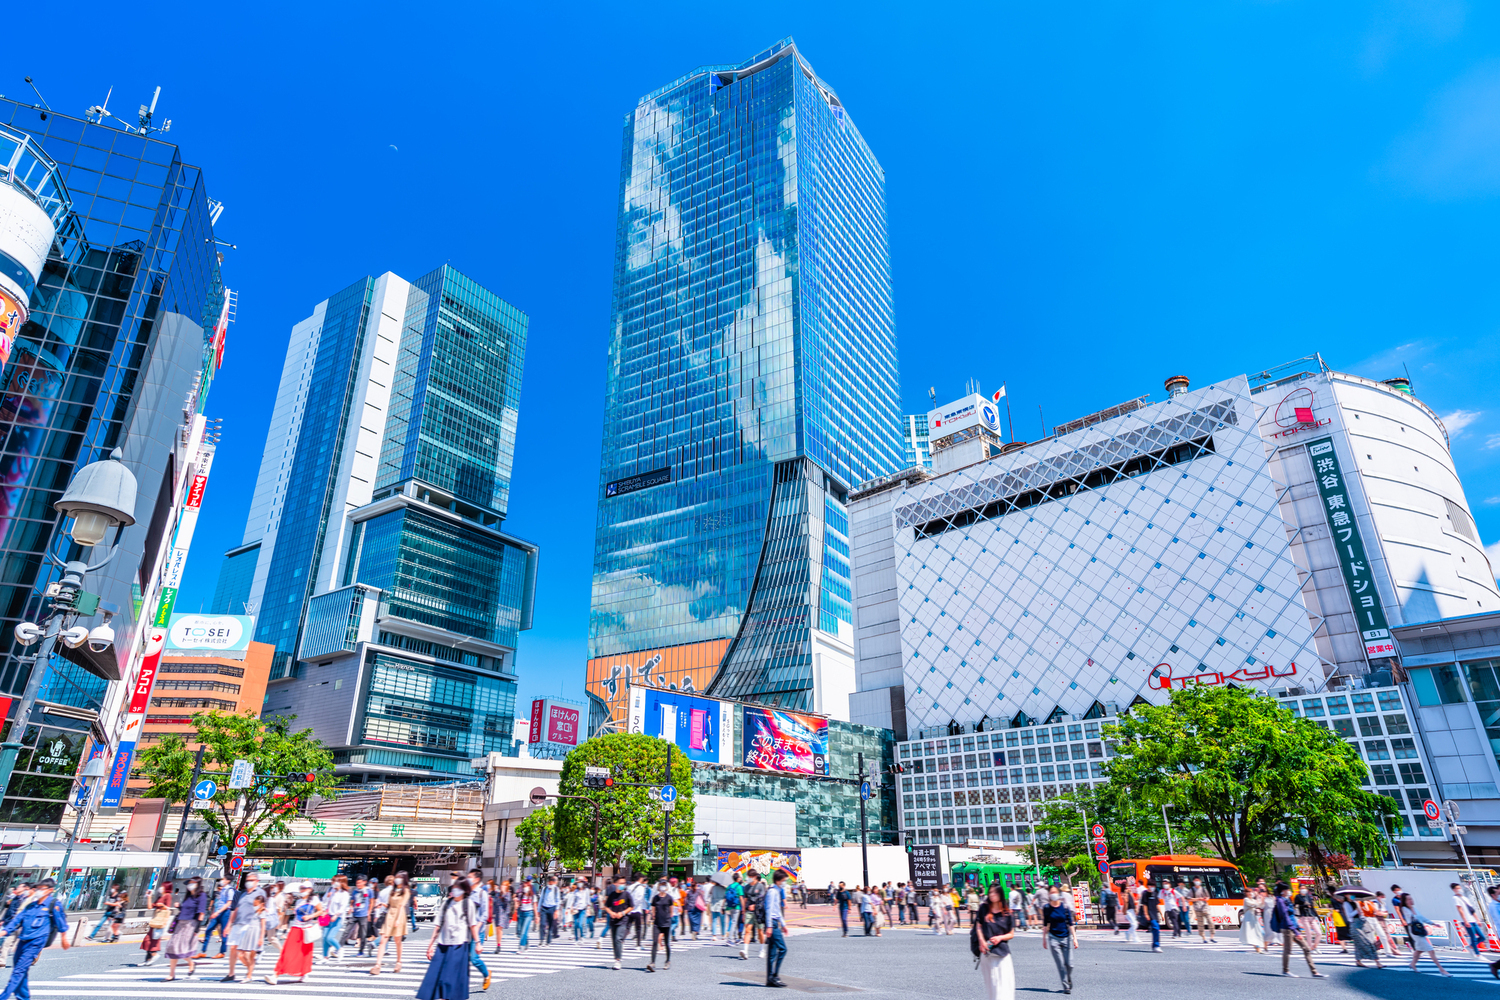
1460	965
330	981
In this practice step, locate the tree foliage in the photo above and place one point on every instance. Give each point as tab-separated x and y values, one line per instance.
1243	774
538	844
1133	829
631	825
271	747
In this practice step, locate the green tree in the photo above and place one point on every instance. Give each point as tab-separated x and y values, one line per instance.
537	840
1131	828
1243	773
631	823
272	748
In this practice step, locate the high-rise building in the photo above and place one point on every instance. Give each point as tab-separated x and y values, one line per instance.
752	379
918	451
126	307
382	575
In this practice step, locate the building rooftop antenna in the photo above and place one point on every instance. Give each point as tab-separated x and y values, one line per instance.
99	112
38	94
146	114
932	394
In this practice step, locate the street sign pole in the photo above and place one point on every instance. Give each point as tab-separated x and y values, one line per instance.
666	821
864	850
187	807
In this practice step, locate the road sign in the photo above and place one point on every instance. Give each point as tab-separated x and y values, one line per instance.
223	850
83	797
1101	849
667	794
206	789
243	840
242	774
200	804
864	790
1431	809
1104	868
236	863
1451	808
1098	832
538	795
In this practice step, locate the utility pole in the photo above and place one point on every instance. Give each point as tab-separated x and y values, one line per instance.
864	851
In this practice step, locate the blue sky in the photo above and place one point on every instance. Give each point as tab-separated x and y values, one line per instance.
1083	199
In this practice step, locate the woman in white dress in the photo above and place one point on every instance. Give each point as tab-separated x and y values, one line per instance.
1421	945
1252	931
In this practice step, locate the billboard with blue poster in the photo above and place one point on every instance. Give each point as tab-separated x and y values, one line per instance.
776	740
702	728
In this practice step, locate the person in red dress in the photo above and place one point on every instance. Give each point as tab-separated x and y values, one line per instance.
297	954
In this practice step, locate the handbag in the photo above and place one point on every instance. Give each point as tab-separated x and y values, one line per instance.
159	920
1416	929
312	934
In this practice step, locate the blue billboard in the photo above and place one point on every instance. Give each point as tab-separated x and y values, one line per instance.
702	728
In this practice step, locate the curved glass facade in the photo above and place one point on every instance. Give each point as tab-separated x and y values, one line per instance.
752	363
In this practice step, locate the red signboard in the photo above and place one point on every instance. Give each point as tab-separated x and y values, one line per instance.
562	725
195	492
535	733
140	695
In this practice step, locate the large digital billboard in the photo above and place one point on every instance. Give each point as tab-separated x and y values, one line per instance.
702	728
785	741
688	668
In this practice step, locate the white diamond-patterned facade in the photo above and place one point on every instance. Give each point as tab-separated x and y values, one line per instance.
1080	573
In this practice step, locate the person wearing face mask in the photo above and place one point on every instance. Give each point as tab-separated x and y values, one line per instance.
296	958
1057	917
990	939
182	936
454	932
247	927
396	923
34	925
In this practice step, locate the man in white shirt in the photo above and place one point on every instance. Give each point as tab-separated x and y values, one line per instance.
775	905
1468	918
640	895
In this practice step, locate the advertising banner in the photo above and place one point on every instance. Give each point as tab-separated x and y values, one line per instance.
702	728
971	411
556	727
785	741
1351	549
216	635
644	481
119	773
765	862
12	318
688	668
926	866
140	693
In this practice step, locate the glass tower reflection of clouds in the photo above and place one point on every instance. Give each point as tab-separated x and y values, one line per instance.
752	378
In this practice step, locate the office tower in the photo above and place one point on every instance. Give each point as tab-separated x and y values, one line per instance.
918	452
119	350
381	573
751	382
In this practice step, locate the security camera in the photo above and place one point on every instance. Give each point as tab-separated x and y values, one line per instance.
75	636
27	633
101	638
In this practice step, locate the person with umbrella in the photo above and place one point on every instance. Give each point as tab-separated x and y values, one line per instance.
1361	927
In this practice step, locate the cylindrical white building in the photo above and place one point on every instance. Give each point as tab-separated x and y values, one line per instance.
33	204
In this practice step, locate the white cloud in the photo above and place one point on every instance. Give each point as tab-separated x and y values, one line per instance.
1459	419
1455	151
1492	501
1493	442
1493	551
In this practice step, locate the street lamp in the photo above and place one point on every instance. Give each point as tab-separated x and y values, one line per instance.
95	768
101	496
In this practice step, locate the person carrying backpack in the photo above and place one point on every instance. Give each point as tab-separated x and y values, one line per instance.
38	922
754	902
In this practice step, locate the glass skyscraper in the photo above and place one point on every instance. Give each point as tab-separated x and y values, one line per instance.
374	555
117	344
752	382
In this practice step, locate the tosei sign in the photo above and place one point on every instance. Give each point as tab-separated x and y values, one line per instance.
218	635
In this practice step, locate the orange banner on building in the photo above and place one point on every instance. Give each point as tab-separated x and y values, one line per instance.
688	668
12	317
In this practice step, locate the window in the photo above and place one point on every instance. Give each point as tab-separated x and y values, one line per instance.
1344	727
971	779
969	762
1405	749
1390	701
1011	739
1096	750
1047	773
944	781
1396	725
1029	756
1364	701
947	800
906	784
1384	774
1091	730
1411	774
907	803
1313	708
1414	796
986	778
1480	675
1075	732
1338	705
1439	685
1096	769
1376	750
1290	706
1078	751
984	742
1043	736
999	777
1015	775
1064	773
1044	753
1369	725
942	763
1031	775
1027	738
968	743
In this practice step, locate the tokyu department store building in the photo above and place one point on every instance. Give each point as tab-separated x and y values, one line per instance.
1264	535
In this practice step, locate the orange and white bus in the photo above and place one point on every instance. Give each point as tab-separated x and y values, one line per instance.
1222	879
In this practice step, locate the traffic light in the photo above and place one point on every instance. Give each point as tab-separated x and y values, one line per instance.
708	849
597	777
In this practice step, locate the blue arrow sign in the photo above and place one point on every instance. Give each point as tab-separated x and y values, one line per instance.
83	798
668	794
205	789
864	789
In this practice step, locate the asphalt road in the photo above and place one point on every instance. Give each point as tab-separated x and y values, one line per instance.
903	963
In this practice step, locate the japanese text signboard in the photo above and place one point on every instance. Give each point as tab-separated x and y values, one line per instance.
926	867
776	740
1353	559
